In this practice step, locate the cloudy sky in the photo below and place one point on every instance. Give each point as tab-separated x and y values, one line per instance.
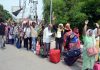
8	4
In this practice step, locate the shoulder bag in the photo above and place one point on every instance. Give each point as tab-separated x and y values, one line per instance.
92	51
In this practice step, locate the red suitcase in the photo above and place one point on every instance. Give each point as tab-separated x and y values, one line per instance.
37	48
96	66
54	56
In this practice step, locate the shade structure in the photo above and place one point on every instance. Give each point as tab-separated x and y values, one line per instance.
17	12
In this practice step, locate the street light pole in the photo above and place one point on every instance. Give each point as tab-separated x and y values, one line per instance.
50	11
35	2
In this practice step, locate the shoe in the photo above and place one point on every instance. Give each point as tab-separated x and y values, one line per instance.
34	52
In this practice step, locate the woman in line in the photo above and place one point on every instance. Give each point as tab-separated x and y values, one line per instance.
89	41
59	37
67	33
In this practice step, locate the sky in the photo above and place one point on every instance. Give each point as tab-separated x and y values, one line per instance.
8	4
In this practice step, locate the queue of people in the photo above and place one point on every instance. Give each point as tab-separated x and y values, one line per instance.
26	35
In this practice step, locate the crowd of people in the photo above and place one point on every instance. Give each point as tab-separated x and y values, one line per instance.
26	35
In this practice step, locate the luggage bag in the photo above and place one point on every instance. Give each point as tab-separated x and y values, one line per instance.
54	56
71	56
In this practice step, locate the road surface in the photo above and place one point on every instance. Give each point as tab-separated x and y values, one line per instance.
12	58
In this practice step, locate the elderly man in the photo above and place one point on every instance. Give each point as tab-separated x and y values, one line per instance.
46	38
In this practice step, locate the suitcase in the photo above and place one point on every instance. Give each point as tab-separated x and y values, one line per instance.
54	56
37	48
96	66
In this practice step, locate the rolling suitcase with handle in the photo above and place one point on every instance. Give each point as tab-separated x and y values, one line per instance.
54	55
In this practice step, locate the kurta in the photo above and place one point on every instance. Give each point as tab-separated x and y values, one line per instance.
88	62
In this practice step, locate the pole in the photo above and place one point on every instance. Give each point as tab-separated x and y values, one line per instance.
36	13
51	12
20	3
35	2
24	6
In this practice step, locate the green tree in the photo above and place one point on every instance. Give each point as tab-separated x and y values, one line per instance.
73	11
4	14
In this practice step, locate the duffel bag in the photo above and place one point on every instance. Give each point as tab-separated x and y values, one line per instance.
72	53
70	61
42	54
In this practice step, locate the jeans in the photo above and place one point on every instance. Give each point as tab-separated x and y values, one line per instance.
46	48
34	41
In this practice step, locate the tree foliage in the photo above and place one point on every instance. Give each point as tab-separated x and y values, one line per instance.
73	11
4	14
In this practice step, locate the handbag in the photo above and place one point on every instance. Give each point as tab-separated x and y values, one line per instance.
92	51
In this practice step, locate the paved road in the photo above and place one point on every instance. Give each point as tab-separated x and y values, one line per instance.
12	58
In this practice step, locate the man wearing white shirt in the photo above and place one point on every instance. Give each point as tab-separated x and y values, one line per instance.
27	36
47	38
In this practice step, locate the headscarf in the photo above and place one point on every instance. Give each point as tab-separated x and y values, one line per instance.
60	25
89	30
76	31
67	26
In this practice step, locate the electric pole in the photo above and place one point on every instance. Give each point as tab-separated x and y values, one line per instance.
35	2
50	11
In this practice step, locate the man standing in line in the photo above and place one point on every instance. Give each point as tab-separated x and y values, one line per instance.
27	36
46	39
2	33
34	37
